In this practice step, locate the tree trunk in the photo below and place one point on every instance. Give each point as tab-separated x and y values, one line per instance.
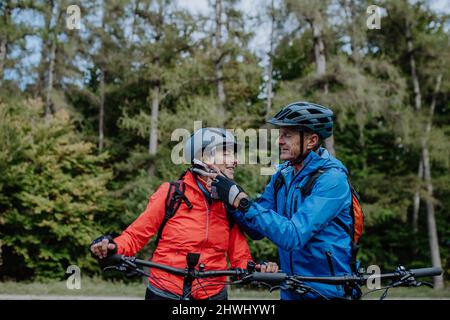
354	33
415	78
269	89
319	47
153	141
416	208
316	24
431	221
3	48
51	69
418	107
362	143
101	118
270	67
153	137
156	93
45	52
425	160
4	41
218	63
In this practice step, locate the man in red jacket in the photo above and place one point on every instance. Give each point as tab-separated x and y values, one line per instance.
204	228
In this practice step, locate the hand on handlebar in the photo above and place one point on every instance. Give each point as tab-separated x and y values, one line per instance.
268	267
103	246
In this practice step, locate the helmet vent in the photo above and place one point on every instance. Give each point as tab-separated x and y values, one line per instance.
314	111
324	120
292	115
280	115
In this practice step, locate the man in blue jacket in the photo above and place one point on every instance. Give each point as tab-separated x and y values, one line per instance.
308	229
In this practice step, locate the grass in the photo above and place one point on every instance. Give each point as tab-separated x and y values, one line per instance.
420	292
100	287
89	287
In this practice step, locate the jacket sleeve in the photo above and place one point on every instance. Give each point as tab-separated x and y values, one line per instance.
330	195
138	234
266	200
238	250
239	218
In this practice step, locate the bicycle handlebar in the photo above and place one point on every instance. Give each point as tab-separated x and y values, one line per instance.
269	277
274	278
426	272
361	279
133	262
401	276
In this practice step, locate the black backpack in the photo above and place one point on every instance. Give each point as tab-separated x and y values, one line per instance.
175	196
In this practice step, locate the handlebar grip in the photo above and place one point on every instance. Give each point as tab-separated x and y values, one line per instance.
111	260
426	272
269	277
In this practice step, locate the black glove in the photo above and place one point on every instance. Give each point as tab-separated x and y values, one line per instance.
100	239
224	189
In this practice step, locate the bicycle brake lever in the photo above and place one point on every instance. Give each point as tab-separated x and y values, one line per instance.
427	284
106	269
272	289
133	273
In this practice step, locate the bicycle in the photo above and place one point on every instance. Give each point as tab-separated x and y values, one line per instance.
131	266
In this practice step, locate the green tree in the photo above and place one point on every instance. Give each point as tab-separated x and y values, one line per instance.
53	193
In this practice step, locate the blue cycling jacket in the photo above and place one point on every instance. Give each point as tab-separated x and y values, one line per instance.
310	242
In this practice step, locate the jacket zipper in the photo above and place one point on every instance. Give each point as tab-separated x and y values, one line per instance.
291	264
207	220
288	190
331	266
291	259
330	263
293	210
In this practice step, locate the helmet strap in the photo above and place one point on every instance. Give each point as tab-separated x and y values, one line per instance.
302	154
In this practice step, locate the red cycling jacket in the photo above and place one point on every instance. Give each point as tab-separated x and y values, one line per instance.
204	229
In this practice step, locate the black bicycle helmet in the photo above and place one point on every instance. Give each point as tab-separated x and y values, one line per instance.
302	114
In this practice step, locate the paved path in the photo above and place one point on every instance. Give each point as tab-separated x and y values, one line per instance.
65	297
62	297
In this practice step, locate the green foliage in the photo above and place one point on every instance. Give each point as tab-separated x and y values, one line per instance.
53	190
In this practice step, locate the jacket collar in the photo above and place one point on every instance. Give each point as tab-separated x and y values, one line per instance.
314	161
190	180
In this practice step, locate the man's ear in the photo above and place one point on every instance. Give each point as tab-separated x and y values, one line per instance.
313	140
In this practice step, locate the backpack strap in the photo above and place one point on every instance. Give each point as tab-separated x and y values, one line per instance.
174	197
231	220
279	181
306	189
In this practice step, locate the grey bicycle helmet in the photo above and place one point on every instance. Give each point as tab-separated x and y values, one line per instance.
302	114
208	139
